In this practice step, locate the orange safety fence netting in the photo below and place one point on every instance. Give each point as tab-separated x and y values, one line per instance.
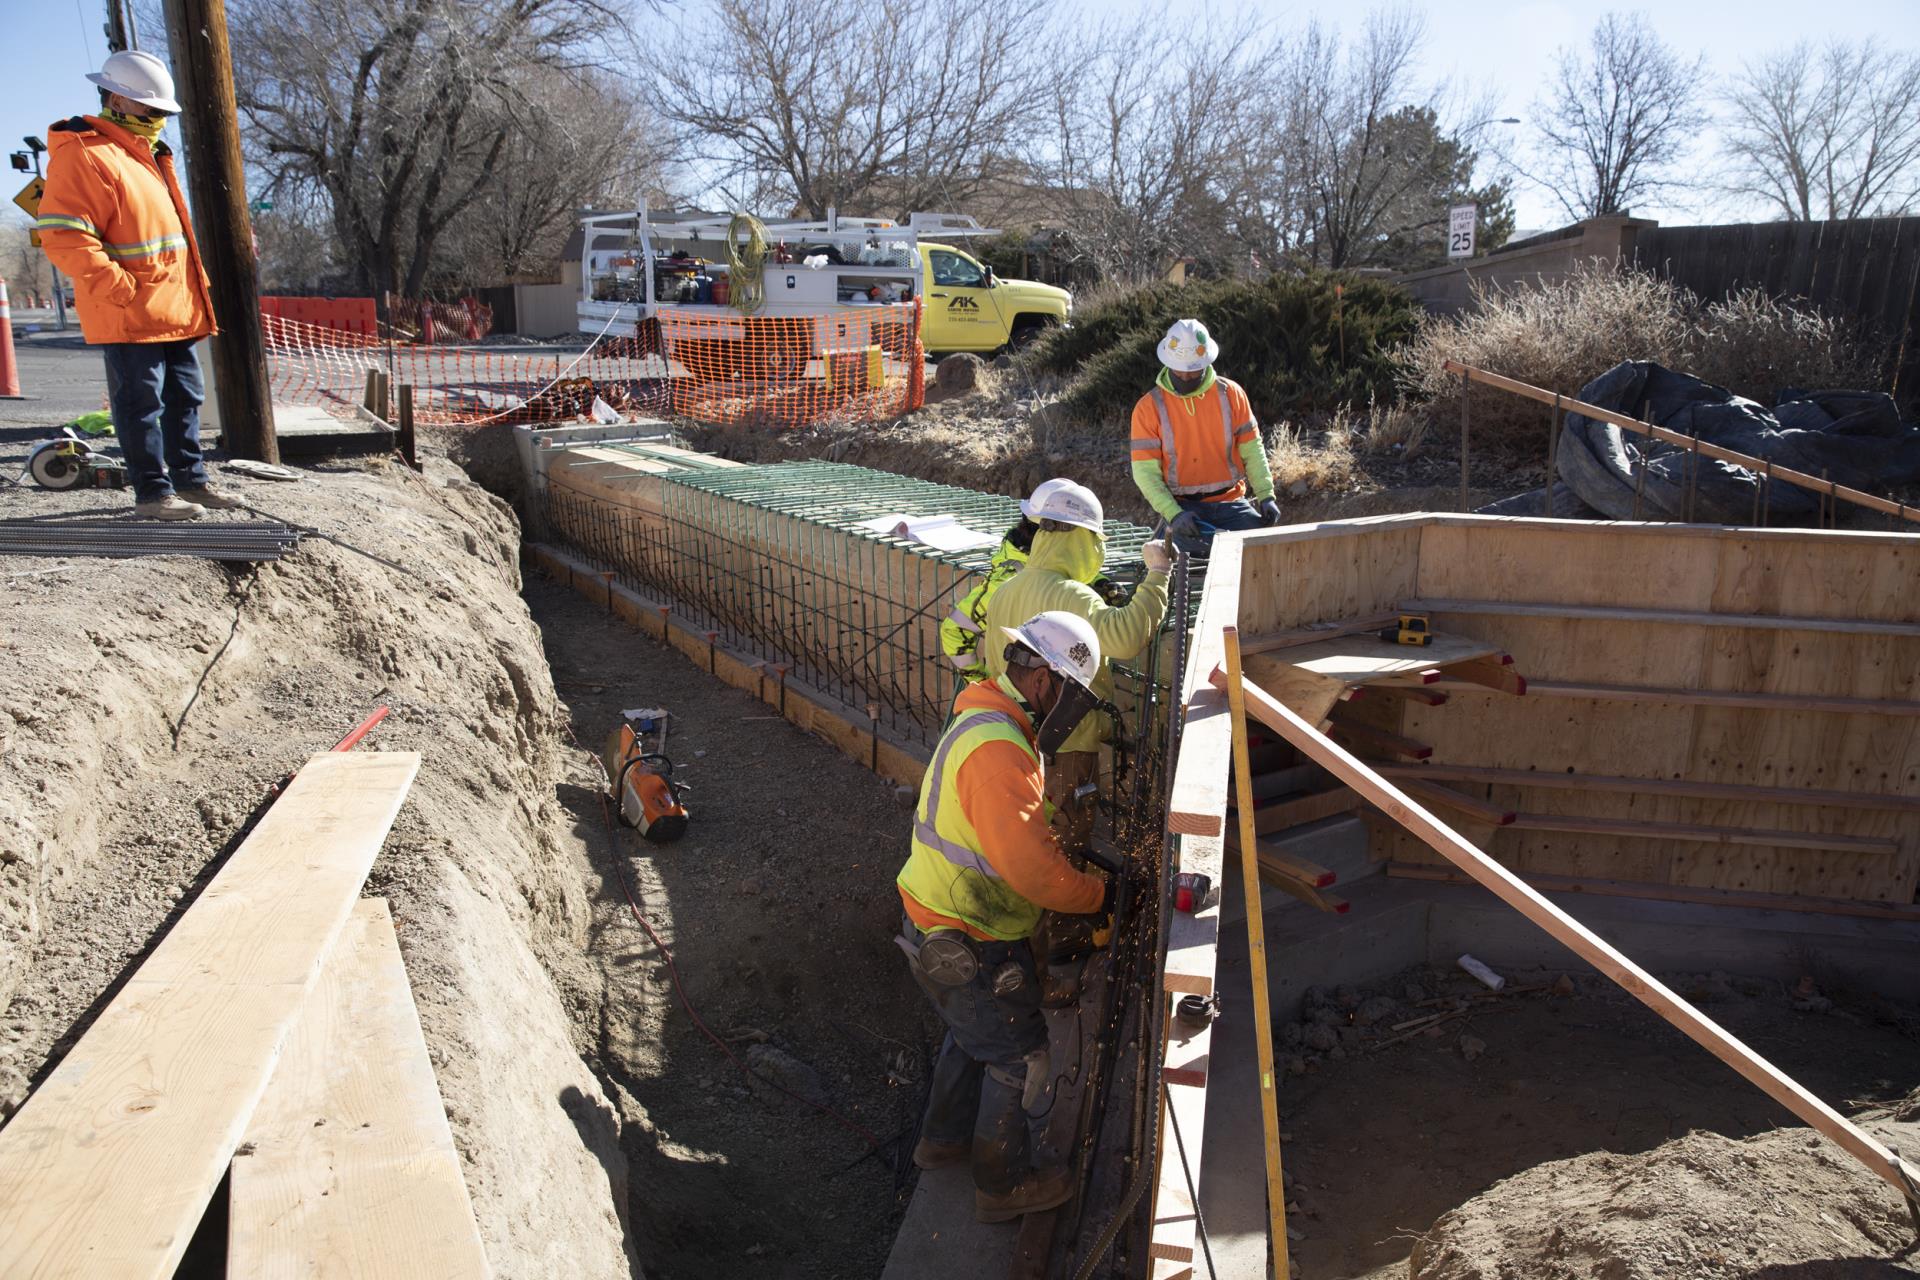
778	370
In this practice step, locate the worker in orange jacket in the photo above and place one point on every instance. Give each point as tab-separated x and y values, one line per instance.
1198	458
984	865
112	217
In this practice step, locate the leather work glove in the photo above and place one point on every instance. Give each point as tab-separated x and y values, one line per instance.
1269	509
1114	593
1156	556
1103	917
1186	525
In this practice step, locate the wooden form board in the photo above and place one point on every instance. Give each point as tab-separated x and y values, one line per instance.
1797	655
1583	942
1362	659
107	1168
348	1167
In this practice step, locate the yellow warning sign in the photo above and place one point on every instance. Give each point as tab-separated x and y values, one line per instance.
29	197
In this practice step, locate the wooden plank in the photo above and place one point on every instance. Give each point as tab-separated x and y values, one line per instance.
1279	816
1497	676
1589	946
1268	1077
1380	739
1738	792
107	1168
1310	874
1414	693
1317	631
348	1167
1711	697
1362	659
1197	804
1703	834
1602	613
1677	893
1475	808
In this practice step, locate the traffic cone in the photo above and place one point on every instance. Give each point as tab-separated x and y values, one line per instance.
9	371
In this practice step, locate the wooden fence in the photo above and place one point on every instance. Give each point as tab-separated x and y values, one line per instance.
1867	269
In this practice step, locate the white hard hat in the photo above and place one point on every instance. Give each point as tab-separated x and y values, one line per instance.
138	75
1065	642
1069	503
1187	348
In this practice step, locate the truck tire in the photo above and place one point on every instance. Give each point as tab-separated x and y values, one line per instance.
1028	330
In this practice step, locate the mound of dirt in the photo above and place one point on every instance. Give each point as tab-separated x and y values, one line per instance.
149	708
1782	1203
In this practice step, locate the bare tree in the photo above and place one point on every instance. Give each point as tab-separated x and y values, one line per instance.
1833	133
1155	138
577	139
1380	166
1616	119
869	107
22	264
401	111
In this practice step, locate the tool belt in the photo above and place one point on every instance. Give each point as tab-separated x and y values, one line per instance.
951	958
1236	488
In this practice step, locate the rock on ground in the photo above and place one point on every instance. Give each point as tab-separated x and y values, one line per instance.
1782	1203
958	373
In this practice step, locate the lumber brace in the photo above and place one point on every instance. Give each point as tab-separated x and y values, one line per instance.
1897	1173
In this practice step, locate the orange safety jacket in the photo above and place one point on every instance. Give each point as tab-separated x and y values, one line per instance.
998	788
113	218
1196	439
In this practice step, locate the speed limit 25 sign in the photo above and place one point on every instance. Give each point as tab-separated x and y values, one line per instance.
1460	222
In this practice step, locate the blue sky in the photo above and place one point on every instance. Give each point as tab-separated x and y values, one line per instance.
1502	47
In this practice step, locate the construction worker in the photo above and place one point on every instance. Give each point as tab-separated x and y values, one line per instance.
984	866
960	630
1197	455
112	217
1068	552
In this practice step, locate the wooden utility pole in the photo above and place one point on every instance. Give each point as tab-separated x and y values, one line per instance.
216	178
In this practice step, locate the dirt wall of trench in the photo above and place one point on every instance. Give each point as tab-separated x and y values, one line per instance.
147	709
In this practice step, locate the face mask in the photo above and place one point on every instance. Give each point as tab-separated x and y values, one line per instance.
1071	703
147	127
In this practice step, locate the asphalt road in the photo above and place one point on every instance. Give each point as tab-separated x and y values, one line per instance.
61	378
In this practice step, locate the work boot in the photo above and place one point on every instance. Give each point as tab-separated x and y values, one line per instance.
211	498
928	1153
1039	1190
167	508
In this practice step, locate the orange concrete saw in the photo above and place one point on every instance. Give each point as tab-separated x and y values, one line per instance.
641	777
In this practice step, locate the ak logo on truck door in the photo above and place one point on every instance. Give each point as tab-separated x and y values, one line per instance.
963	303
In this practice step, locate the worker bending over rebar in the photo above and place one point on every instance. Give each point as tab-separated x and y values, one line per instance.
984	865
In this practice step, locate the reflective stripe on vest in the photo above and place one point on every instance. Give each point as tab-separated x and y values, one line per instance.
144	248
1170	453
963	621
926	829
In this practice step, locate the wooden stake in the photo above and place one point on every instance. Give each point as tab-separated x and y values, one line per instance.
1257	957
408	445
1582	941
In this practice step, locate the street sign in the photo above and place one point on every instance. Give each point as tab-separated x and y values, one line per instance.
261	206
1460	224
29	197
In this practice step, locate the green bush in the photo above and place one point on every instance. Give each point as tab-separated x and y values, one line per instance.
1295	345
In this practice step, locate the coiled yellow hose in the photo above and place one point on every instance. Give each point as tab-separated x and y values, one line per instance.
746	264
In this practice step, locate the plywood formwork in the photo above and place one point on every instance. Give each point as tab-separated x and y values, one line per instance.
1720	710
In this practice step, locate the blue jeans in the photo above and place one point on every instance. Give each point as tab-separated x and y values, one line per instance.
155	393
1217	517
982	1070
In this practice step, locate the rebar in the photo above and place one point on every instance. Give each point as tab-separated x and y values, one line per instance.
120	539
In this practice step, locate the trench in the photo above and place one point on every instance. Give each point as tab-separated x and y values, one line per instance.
149	708
778	910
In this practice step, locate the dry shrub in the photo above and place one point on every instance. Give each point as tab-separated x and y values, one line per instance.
1562	335
1759	346
1305	462
1557	335
1395	427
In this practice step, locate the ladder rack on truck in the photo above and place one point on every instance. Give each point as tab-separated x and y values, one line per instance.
636	267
